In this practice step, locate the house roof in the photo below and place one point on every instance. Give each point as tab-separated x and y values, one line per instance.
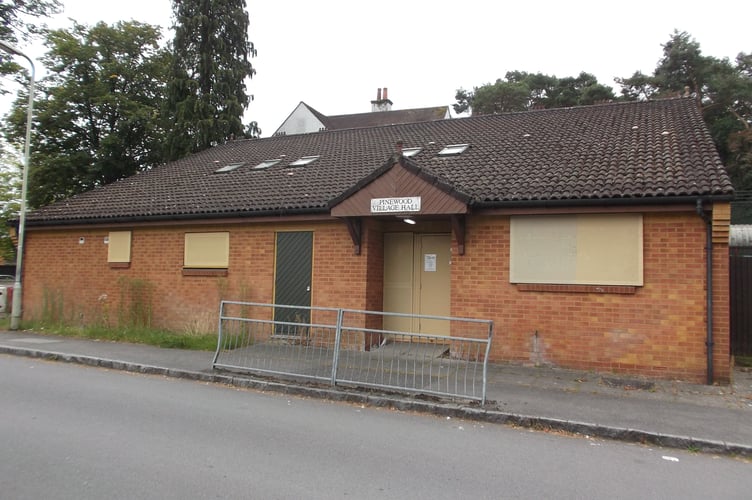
380	118
654	151
372	119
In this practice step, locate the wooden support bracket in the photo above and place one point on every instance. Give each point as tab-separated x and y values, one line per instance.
355	227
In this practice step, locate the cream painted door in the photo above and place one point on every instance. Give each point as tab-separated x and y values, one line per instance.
432	274
417	281
398	280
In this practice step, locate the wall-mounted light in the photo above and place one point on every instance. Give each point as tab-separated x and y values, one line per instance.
407	220
81	240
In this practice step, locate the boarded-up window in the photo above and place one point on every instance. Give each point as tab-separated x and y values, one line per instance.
576	249
207	250
119	247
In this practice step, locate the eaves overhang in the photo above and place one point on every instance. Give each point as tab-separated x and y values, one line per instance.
137	219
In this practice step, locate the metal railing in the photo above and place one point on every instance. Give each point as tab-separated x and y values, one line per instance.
351	347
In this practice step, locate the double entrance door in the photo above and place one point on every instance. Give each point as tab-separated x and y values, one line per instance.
417	281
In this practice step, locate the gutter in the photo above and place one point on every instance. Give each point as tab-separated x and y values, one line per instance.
326	210
570	202
709	286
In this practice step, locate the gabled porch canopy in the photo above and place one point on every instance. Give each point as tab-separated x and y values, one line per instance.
401	189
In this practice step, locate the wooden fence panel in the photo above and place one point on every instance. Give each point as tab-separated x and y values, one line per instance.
740	283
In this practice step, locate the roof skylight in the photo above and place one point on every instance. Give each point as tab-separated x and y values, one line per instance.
229	167
304	160
408	152
453	149
266	164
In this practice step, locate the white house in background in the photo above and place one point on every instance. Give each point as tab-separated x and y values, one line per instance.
304	119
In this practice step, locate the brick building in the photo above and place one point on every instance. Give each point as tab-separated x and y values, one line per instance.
580	232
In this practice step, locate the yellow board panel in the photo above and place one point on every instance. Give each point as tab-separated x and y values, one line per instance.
207	250
602	249
119	247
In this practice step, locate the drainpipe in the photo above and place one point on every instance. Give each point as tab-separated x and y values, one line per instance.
709	279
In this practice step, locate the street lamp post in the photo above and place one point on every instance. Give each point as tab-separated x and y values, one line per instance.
15	316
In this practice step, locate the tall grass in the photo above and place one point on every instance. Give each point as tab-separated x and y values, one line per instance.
134	335
134	320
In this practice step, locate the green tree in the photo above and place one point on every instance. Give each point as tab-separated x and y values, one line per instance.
500	97
18	23
96	115
581	90
520	91
207	94
722	89
637	87
10	195
17	18
541	86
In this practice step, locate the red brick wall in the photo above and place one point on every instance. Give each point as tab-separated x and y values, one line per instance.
342	279
338	274
76	278
659	330
90	291
722	367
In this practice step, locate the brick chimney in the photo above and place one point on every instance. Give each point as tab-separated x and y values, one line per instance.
382	102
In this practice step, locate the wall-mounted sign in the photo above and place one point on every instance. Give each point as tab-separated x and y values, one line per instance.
390	205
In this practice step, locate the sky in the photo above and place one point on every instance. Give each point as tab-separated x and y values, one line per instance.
335	54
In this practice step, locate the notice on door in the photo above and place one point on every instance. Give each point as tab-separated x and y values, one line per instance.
429	262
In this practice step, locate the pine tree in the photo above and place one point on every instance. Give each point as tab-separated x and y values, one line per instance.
207	95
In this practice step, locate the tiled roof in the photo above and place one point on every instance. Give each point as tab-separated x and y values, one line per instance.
653	151
380	118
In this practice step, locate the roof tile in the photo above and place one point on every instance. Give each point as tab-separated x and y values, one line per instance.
601	152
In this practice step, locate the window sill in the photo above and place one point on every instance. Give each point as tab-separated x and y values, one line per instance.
204	272
607	289
119	265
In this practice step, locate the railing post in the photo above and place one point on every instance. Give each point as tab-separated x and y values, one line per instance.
337	342
485	363
219	332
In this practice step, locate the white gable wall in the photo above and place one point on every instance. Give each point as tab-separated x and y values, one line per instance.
300	121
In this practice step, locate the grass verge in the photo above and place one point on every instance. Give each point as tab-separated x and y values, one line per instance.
134	335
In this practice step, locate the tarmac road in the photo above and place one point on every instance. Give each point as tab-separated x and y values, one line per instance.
70	431
711	419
